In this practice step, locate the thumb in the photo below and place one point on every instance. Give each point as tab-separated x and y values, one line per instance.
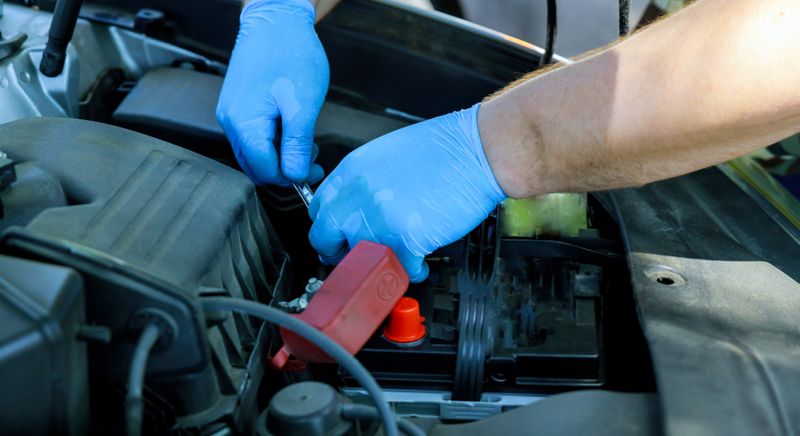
297	145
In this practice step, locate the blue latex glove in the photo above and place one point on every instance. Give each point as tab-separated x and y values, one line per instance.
278	71
415	190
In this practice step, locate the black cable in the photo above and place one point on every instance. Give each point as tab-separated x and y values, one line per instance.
134	406
362	411
624	16
550	40
324	343
65	17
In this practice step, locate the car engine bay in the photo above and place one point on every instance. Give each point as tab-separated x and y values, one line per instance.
123	207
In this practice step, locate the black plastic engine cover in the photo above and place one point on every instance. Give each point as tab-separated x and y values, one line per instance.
149	226
43	367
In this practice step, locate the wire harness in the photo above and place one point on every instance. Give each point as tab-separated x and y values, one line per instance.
134	407
624	17
331	348
550	41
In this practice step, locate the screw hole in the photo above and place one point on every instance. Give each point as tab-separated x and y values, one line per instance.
665	281
664	275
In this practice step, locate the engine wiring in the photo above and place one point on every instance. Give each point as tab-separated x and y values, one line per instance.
134	407
552	27
331	348
550	40
624	17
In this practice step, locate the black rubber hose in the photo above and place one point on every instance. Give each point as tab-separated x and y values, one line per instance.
65	17
361	411
324	343
550	40
134	406
624	17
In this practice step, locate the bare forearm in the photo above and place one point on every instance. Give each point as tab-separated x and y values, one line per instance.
710	83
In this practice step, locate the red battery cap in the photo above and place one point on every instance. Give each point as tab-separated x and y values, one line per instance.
405	325
352	303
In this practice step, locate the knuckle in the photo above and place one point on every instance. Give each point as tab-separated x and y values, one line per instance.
297	145
221	113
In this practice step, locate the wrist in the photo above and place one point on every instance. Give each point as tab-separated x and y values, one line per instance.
321	7
494	189
511	156
251	6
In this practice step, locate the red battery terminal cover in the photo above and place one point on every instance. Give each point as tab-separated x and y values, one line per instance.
352	303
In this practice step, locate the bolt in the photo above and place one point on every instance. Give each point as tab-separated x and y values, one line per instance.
313	285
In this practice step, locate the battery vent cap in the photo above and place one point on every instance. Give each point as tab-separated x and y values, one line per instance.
405	326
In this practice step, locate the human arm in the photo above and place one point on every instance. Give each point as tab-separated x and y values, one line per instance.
707	84
710	83
278	74
321	6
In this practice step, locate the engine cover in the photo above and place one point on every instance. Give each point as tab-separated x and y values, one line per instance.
151	228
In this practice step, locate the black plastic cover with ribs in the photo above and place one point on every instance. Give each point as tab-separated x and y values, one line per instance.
148	225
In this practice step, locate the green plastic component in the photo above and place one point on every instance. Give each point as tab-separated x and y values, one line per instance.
550	215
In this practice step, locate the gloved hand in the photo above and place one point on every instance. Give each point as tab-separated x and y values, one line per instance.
414	190
278	71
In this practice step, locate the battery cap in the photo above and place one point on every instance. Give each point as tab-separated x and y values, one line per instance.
405	325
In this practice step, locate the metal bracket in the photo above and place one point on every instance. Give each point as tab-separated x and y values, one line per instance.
8	47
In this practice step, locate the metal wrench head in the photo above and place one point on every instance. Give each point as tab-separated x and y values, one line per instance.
305	192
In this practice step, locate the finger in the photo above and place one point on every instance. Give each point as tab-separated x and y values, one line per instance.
421	274
314	206
315	174
327	238
355	229
224	120
415	266
336	258
325	194
252	143
242	161
297	145
314	152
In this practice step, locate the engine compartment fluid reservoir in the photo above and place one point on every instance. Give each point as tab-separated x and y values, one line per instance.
551	215
352	303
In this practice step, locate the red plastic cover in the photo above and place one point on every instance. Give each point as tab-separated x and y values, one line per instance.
352	303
